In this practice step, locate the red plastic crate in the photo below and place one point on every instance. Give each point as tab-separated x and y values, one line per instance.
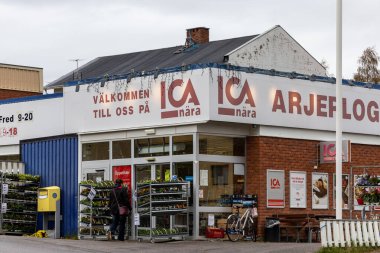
214	232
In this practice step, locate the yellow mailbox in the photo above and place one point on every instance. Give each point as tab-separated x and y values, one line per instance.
48	198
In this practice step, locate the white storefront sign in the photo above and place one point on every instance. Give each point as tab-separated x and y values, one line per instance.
198	96
278	101
275	188
144	102
33	119
298	195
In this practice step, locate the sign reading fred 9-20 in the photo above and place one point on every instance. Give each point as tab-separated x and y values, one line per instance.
29	120
11	121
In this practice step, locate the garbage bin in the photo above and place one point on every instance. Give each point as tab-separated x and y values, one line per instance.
272	230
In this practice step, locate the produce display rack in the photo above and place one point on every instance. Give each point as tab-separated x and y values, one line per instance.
95	218
20	215
161	199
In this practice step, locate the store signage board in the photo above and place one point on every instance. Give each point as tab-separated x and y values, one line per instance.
5	189
31	119
198	96
327	151
298	196
281	101
170	99
320	190
275	189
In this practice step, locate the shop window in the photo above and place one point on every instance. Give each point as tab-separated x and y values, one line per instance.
152	147
219	174
121	149
220	221
184	171
221	145
218	182
182	145
95	151
143	172
10	158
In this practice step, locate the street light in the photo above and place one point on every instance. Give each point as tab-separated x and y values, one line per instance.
338	130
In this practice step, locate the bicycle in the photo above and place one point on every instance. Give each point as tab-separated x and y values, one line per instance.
244	226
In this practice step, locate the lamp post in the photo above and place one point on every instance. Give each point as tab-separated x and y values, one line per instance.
338	131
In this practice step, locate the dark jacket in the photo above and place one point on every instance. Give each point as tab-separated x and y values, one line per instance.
121	194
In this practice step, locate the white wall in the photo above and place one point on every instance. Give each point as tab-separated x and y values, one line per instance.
276	49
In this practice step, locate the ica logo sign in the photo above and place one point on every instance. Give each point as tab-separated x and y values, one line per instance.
327	151
275	183
179	99
235	98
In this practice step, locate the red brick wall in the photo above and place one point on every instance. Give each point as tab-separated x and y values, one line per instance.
297	155
199	35
6	94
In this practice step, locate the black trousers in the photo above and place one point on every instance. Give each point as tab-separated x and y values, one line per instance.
118	220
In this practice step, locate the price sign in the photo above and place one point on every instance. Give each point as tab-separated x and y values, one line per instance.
91	194
137	219
4	207
4	189
211	220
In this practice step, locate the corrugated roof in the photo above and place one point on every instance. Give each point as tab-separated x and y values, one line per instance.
212	52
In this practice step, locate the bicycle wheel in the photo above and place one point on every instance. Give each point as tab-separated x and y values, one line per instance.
250	231
233	230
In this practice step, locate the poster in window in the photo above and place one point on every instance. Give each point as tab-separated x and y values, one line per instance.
320	190
219	174
345	191
297	181
275	189
203	181
123	172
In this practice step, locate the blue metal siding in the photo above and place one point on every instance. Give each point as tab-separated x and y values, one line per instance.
56	161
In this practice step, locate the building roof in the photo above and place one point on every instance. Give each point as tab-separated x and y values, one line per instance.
211	52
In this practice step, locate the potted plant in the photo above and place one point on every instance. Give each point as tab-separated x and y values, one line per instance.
367	198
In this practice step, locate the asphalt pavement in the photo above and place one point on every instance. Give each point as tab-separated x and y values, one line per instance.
18	244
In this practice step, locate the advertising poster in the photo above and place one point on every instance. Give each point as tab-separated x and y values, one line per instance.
345	191
320	190
275	189
123	172
297	181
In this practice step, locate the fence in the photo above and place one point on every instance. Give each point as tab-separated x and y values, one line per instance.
348	233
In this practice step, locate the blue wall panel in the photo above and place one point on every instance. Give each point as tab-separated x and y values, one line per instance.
56	161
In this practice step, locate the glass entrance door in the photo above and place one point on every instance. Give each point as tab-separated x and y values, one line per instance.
159	172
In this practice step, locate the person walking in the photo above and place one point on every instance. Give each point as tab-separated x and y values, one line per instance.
118	198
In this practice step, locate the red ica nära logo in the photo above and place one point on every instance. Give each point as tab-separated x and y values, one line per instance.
244	99
181	105
329	152
274	183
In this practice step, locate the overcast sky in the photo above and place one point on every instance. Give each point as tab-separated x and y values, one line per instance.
50	33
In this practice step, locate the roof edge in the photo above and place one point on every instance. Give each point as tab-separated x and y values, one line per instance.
30	98
251	40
